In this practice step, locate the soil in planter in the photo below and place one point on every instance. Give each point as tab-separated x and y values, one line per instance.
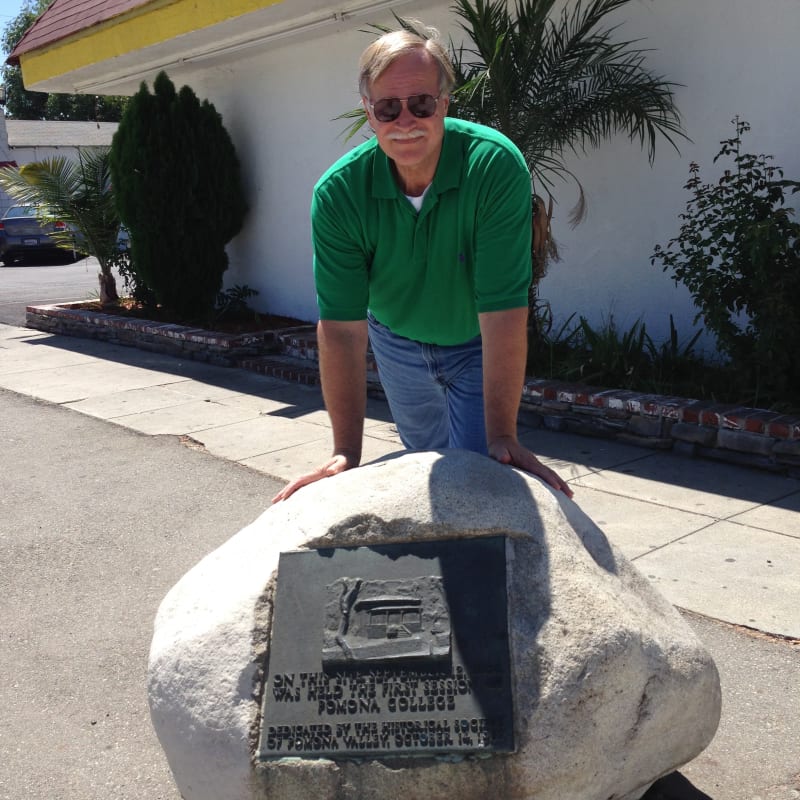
247	322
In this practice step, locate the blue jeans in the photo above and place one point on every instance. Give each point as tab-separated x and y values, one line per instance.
435	392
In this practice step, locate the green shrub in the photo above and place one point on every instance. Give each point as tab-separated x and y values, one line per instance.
178	186
738	253
549	347
675	365
614	358
602	356
609	356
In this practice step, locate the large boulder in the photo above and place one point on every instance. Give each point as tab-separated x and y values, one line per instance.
611	688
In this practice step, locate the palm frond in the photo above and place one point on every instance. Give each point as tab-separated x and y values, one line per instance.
556	83
559	84
359	120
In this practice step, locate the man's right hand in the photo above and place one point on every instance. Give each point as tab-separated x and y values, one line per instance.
343	373
332	467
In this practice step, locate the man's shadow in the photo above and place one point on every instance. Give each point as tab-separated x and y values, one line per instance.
674	787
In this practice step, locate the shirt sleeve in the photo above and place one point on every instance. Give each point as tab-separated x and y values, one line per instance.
341	263
503	240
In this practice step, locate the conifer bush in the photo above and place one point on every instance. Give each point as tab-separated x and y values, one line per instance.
177	183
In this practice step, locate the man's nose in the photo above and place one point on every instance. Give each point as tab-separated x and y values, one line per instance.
406	117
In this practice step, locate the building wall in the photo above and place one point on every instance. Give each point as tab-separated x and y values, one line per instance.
732	57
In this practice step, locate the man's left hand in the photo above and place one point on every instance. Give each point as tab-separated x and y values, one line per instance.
510	451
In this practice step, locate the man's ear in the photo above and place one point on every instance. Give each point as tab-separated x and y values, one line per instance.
365	106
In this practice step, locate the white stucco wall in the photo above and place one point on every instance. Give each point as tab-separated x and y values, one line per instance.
733	57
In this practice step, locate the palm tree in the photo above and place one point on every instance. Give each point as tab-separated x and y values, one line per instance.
79	193
558	86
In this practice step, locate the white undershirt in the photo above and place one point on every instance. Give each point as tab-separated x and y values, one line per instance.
417	201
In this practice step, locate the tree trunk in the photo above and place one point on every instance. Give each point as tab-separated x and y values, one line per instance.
108	289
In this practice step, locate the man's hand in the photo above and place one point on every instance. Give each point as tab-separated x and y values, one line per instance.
330	468
505	345
508	450
343	370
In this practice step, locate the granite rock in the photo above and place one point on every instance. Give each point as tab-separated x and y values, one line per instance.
611	687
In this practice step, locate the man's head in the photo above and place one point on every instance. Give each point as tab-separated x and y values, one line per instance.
405	81
385	50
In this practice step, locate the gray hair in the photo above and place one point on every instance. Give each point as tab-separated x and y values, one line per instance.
386	49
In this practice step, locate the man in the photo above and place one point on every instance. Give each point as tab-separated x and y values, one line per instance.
422	247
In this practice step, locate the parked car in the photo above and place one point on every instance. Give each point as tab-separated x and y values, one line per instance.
23	236
123	240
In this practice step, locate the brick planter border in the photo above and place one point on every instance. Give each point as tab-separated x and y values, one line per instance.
222	349
746	436
749	436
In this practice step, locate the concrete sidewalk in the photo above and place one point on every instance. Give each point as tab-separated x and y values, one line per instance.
720	541
716	539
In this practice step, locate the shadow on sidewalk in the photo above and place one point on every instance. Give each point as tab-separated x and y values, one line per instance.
661	466
674	787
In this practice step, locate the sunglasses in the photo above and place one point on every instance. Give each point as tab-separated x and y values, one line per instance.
388	109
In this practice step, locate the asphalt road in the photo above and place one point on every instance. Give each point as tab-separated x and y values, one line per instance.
97	522
44	282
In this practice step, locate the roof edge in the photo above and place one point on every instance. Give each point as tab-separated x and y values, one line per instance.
150	22
28	42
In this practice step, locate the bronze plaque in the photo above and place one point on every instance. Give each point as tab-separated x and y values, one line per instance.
392	650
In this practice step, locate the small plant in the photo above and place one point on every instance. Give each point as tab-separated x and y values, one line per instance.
232	303
612	357
549	347
675	364
132	280
738	253
602	356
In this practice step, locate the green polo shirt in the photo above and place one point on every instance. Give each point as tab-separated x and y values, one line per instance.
425	275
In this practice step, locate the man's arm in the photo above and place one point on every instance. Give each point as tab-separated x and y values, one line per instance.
343	371
505	347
